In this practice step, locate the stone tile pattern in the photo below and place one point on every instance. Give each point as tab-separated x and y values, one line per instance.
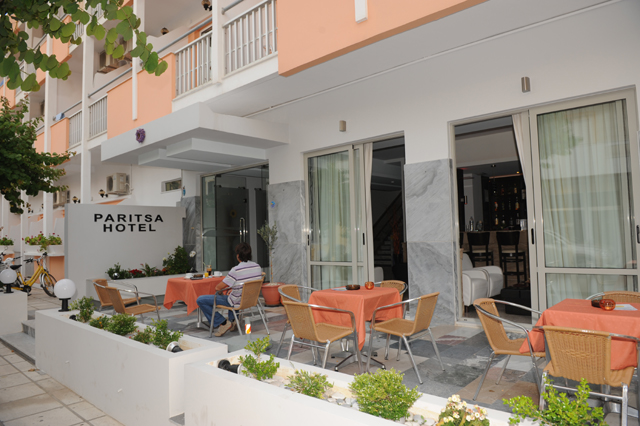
430	243
287	208
29	397
191	238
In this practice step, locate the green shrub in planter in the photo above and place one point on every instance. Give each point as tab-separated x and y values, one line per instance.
100	322
253	367
162	335
309	384
85	306
145	336
383	394
560	410
122	324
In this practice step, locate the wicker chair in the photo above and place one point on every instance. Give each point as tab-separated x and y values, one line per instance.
100	285
118	305
500	343
577	354
304	327
401	286
250	299
402	328
618	296
291	292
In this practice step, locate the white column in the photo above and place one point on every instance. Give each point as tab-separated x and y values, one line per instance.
51	105
217	42
87	87
138	9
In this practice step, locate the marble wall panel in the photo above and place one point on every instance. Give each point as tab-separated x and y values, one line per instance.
287	209
191	228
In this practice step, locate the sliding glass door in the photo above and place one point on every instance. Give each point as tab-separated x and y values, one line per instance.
585	167
337	243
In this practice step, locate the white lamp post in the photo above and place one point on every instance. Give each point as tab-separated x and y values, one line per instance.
64	290
8	277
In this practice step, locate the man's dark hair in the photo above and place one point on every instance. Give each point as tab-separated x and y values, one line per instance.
243	250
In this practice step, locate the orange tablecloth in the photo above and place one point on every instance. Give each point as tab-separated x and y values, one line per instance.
361	302
188	291
578	313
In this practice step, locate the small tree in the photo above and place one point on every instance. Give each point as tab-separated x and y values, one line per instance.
269	234
23	168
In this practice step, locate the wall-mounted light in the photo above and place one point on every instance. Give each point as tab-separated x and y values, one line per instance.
526	84
164	31
207	5
75	199
8	277
103	194
342	126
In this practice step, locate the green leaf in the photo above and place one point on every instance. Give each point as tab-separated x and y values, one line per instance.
127	10
14	83
122	27
112	35
152	62
108	48
29	56
54	24
162	67
144	56
63	70
99	32
85	18
7	64
128	34
120	15
23	35
28	83
137	51
90	29
119	52
142	38
35	88
53	72
68	29
33	24
52	62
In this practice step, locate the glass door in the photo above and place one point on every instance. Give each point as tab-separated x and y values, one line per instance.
337	243
585	168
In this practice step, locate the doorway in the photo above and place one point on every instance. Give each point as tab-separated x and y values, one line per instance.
234	207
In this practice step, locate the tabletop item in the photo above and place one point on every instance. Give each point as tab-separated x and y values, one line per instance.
608	304
353	287
369	285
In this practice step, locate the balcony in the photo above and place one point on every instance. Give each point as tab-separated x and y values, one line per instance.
98	117
193	65
75	129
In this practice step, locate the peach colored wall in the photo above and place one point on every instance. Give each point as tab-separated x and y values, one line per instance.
310	33
60	136
39	144
60	49
10	95
56	267
154	100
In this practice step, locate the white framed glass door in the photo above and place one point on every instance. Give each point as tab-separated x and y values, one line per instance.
585	168
336	241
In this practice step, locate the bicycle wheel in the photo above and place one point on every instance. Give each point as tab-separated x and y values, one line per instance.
47	281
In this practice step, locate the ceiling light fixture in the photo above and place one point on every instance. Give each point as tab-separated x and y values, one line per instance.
164	31
103	194
207	5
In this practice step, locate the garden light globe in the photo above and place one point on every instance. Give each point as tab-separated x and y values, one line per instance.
64	290
8	277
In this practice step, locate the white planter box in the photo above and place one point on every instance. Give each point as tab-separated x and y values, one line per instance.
152	285
134	383
268	404
55	250
13	311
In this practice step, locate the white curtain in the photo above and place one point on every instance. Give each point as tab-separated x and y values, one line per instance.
585	177
517	131
368	164
330	220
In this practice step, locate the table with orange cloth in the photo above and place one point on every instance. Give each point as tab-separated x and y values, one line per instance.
188	290
361	302
578	313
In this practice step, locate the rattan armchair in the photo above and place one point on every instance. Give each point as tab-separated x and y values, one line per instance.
119	307
305	327
577	354
401	286
292	293
402	328
100	285
618	296
250	300
500	343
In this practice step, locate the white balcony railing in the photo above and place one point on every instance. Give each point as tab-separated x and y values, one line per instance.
75	129
23	67
193	64
98	117
251	36
96	11
79	32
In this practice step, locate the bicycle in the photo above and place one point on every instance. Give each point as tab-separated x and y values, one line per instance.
47	281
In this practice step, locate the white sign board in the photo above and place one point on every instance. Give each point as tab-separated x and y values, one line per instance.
99	236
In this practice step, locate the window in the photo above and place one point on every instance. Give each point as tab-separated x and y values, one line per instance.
171	185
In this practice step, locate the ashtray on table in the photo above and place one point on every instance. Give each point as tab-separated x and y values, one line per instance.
353	287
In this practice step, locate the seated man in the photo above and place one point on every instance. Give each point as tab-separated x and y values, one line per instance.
245	271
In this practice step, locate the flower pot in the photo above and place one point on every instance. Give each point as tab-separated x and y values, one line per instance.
56	250
270	294
7	249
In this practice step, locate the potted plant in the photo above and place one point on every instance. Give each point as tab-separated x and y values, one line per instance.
44	242
7	243
270	290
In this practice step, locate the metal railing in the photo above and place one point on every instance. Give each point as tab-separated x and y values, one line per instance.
79	32
193	64
98	117
96	11
251	36
40	128
75	129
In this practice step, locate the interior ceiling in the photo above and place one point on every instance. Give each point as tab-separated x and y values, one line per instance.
479	22
386	170
181	12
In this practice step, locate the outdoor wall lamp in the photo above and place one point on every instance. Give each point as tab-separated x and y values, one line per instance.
164	31
64	290
103	194
75	199
8	277
207	5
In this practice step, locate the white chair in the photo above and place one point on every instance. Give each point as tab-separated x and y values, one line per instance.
475	285
493	275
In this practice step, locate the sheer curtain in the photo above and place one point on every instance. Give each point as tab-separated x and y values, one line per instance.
330	220
585	178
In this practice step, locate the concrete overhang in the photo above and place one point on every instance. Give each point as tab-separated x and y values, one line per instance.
195	138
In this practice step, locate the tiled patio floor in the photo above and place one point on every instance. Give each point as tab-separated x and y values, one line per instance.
28	396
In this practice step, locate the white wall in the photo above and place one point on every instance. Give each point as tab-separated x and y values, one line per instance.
91	249
581	54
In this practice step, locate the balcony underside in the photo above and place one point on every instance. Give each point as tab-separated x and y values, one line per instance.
195	138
